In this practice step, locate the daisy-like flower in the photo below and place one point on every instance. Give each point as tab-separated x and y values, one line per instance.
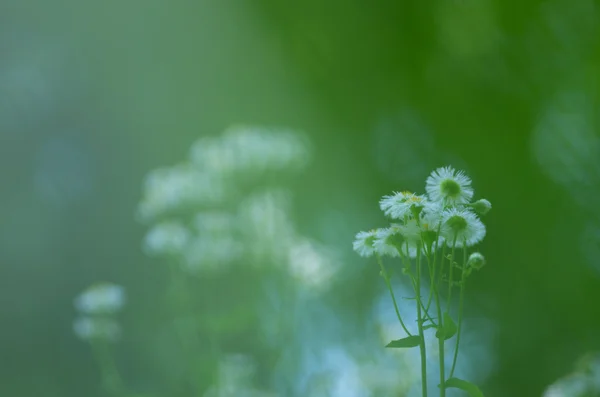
463	225
363	243
388	241
401	204
448	186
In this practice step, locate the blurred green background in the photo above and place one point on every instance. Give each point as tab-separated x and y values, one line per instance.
94	95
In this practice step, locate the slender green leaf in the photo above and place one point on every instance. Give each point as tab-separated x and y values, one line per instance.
469	387
448	329
409	341
428	326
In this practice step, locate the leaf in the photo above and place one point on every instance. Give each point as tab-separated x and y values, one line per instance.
448	329
469	387
428	326
409	341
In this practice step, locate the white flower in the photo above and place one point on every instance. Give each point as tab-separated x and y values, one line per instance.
311	263
363	243
177	188
166	238
387	241
463	225
248	149
211	253
400	204
102	298
88	328
449	186
215	222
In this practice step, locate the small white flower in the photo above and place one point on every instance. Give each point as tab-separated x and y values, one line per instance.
400	204
363	243
411	231
463	225
387	241
166	238
88	328
215	222
449	186
176	188
311	263
102	298
207	253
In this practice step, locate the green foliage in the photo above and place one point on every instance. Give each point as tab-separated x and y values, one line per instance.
467	386
409	341
448	329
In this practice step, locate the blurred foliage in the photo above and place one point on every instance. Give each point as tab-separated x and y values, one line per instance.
95	95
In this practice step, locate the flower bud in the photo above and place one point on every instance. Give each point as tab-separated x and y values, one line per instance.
476	261
482	206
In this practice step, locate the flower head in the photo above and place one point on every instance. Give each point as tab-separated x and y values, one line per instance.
166	238
90	328
402	204
388	241
462	225
101	298
449	186
363	243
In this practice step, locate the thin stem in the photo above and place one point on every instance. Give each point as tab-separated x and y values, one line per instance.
387	282
432	265
463	284
110	374
414	284
420	325
441	341
450	277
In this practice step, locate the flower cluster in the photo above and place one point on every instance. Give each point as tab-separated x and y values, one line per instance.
211	211
97	306
422	223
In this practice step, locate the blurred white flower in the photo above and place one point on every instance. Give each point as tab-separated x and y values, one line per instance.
250	149
205	252
166	238
102	298
449	186
235	378
175	188
215	222
265	224
89	328
583	382
311	263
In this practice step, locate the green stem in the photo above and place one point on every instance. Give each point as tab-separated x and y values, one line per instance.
450	276
387	282
441	341
420	325
111	379
463	283
186	336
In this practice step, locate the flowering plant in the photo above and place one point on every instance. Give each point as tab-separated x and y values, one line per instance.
425	228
